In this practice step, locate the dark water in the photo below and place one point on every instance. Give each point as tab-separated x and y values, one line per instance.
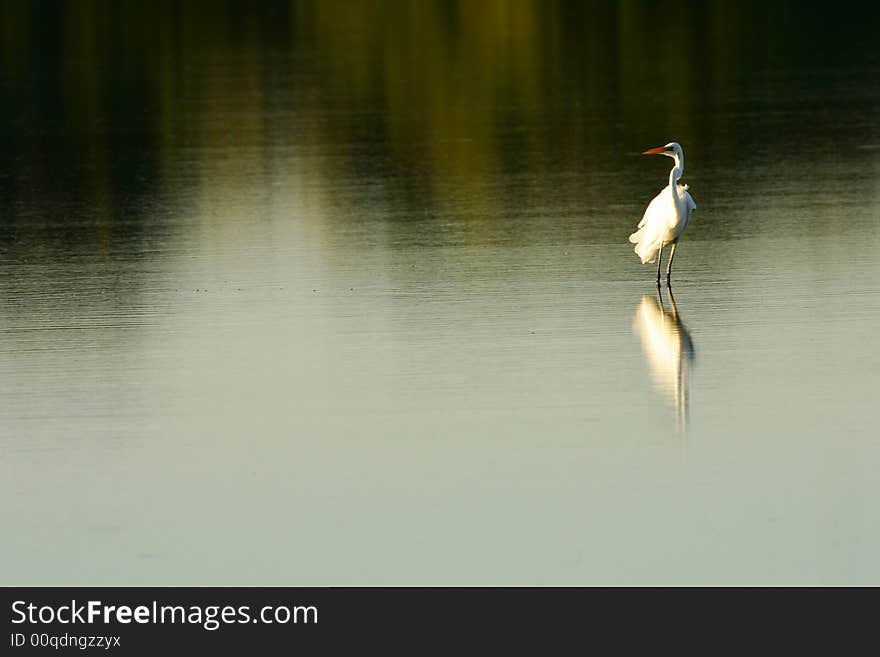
341	293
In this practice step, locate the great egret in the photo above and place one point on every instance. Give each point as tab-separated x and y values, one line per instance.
666	216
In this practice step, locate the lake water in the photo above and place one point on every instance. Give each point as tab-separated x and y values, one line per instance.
341	294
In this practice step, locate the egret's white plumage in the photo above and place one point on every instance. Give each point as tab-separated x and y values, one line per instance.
667	215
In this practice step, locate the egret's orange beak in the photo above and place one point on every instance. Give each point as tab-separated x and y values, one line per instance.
655	151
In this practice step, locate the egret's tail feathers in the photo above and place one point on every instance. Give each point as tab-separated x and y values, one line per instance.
647	252
646	249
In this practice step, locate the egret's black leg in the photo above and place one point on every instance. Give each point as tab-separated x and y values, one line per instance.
669	264
659	260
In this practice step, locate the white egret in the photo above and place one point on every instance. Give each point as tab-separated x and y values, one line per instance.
666	216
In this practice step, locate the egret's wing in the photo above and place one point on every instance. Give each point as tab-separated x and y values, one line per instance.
654	207
649	236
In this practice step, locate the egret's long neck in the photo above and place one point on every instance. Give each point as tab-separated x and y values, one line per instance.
677	170
674	175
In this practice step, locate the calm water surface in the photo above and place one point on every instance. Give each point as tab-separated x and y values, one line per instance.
344	296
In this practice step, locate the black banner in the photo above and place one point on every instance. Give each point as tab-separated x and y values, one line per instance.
133	621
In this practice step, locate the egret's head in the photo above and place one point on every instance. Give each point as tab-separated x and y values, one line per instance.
672	149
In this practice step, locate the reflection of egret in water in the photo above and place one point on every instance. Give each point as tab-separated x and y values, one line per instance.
668	348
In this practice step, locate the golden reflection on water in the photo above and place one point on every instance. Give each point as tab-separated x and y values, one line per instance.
669	350
471	109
